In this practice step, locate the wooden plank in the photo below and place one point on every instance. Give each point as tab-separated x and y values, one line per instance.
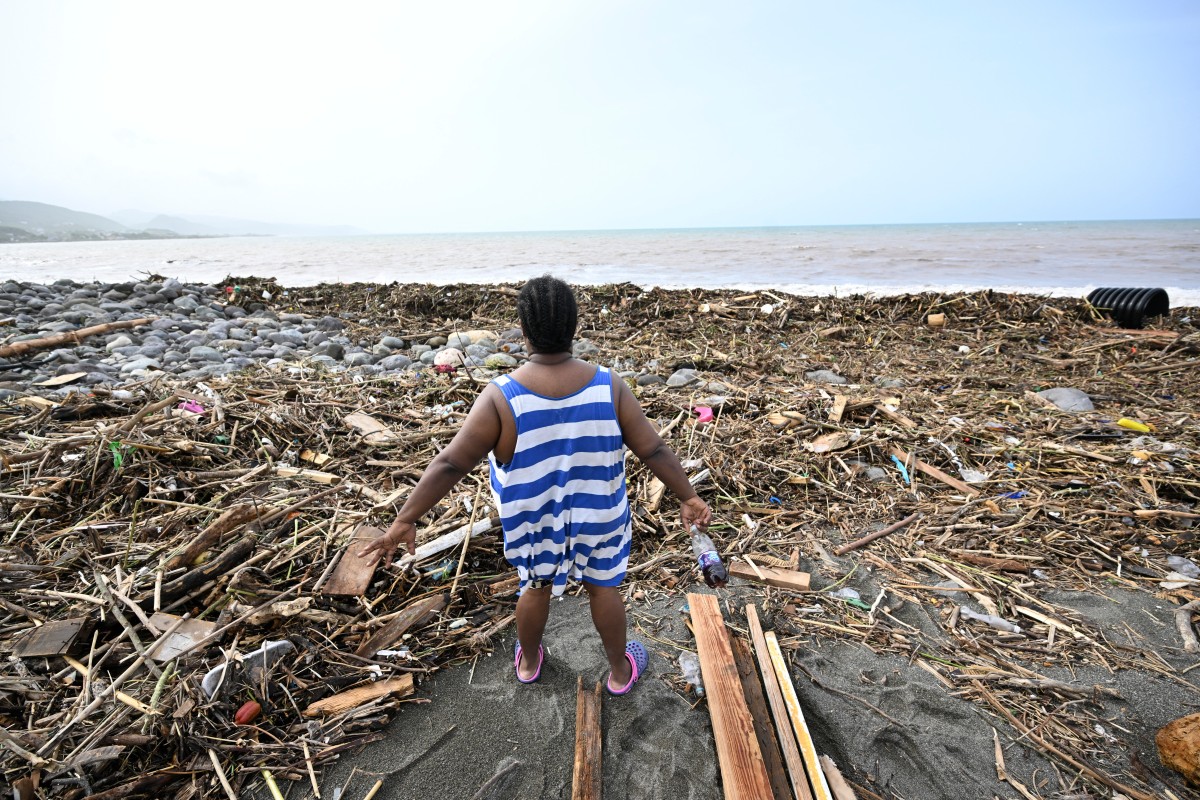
768	743
373	431
932	471
772	576
187	633
353	573
839	408
812	764
353	698
54	638
586	778
779	711
743	774
895	416
389	634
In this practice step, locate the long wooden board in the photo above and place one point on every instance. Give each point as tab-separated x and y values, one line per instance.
779	711
772	576
586	778
812	764
768	743
353	573
743	774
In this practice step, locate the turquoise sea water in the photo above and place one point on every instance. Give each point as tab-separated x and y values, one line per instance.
1044	257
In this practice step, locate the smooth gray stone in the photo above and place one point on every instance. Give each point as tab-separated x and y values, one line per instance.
205	313
458	340
233	346
234	312
478	351
887	383
316	337
172	357
189	326
262	352
291	319
436	341
325	361
93	378
64	355
650	379
511	335
162	324
112	308
192	340
204	353
286	353
825	376
583	348
1068	399
427	357
240	334
370	369
330	324
51	309
120	340
398	361
131	351
187	303
392	343
140	364
291	337
418	349
359	359
333	350
59	327
684	377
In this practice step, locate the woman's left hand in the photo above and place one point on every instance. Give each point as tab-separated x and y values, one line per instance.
385	545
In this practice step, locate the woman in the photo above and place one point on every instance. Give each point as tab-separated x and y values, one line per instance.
556	431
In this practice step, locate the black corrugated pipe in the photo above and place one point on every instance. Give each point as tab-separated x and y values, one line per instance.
1128	307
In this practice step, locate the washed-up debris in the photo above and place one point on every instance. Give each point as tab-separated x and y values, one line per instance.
154	532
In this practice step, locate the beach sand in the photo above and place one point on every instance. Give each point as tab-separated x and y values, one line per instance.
891	727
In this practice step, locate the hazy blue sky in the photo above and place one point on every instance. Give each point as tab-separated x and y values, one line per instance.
407	116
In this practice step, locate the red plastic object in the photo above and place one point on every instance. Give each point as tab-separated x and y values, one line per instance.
703	414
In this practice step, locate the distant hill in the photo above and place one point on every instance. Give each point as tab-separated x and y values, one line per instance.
207	225
56	222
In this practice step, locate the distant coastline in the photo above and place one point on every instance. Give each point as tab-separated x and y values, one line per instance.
13	235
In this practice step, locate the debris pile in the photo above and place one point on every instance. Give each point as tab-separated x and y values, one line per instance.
182	606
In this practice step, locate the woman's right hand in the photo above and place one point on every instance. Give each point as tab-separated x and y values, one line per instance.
695	511
386	544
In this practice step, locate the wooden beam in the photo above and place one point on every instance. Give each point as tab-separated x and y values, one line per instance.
586	779
779	711
55	638
767	742
413	614
812	764
915	463
353	573
743	774
772	576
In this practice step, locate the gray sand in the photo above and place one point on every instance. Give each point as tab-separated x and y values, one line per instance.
935	746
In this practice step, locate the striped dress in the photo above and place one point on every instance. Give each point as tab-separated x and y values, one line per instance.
562	498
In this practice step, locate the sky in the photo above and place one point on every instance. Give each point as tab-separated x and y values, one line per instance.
536	115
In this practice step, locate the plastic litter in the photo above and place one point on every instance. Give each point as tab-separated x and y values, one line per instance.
1134	425
253	662
987	619
689	664
703	414
1183	566
903	470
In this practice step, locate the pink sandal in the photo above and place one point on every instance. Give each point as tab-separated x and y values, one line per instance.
517	664
638	660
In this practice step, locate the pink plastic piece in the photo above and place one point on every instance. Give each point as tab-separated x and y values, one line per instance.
192	406
703	414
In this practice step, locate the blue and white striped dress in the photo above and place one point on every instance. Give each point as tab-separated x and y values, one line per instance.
562	498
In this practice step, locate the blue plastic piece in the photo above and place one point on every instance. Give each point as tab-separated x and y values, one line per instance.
903	470
1014	495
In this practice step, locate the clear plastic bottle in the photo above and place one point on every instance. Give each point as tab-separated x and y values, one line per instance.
689	664
710	563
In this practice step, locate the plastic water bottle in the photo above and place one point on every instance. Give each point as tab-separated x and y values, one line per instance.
710	563
689	664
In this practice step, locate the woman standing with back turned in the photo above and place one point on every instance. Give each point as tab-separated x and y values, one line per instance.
556	430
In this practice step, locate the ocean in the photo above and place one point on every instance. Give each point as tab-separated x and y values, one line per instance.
1048	258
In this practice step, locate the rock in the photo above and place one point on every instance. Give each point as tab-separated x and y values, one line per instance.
392	343
289	337
186	304
450	356
478	351
825	376
887	383
458	341
419	349
234	312
395	362
205	353
119	341
876	474
428	356
684	377
1179	746
361	359
499	361
331	349
650	380
478	336
436	341
1068	399
330	324
140	364
583	348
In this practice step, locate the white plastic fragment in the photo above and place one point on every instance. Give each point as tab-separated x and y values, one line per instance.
987	619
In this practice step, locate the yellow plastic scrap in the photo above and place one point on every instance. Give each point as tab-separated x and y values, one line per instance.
1134	425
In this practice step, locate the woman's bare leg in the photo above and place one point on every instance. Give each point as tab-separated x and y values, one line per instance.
533	608
608	615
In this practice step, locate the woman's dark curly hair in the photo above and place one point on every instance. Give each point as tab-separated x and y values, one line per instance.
548	313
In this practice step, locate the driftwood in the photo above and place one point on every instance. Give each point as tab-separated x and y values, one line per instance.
588	773
756	701
17	349
779	709
870	537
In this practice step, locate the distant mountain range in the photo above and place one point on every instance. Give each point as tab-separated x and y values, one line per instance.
23	221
